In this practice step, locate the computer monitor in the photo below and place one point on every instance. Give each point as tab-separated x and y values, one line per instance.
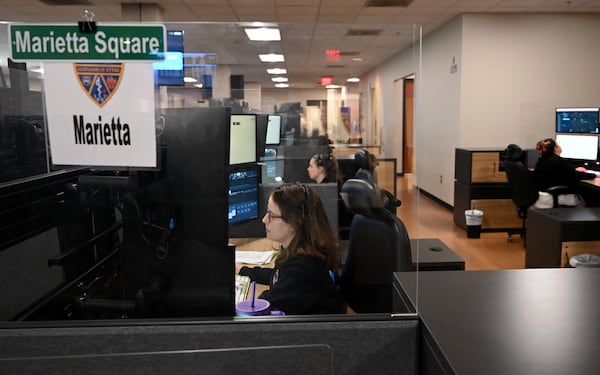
243	194
272	170
577	120
273	130
242	139
169	72
578	146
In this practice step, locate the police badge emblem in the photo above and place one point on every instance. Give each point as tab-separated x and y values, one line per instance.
99	80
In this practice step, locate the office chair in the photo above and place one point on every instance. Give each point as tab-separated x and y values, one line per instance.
378	246
524	191
363	161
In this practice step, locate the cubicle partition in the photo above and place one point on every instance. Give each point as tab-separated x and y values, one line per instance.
369	344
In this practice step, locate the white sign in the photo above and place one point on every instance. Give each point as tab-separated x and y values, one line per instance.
101	114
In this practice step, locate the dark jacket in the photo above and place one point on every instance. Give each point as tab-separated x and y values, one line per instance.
303	285
552	170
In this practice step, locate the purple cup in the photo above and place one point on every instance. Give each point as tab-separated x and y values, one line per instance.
261	307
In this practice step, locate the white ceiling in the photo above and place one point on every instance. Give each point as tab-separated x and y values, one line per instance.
308	28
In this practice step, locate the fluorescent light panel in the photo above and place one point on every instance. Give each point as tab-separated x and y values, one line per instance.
281	85
277	71
279	79
271	57
263	34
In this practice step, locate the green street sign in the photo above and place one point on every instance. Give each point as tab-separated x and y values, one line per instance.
136	42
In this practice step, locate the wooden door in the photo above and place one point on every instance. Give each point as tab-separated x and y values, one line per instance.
408	120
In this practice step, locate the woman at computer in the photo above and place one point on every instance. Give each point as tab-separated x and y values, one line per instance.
323	168
552	170
301	281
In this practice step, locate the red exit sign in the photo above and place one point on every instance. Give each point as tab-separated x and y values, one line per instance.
325	81
333	54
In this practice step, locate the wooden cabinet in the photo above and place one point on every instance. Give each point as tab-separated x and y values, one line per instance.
481	183
485	167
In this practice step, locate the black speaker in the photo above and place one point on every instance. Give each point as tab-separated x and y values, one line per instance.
237	86
207	86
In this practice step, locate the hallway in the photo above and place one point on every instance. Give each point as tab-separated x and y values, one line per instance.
425	218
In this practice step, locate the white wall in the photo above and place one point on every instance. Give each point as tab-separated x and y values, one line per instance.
272	97
513	71
511	86
385	114
437	124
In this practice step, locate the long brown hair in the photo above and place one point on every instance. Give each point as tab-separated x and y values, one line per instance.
329	162
302	209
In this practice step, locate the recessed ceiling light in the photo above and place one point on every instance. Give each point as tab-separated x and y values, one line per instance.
332	86
263	34
279	79
281	85
357	59
199	85
353	79
189	79
271	57
277	71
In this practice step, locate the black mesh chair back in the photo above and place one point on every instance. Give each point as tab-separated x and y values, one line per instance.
524	191
378	246
362	162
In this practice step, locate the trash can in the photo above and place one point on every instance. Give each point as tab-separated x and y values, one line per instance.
584	260
474	219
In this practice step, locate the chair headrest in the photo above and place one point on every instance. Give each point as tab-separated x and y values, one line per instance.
362	159
513	152
362	197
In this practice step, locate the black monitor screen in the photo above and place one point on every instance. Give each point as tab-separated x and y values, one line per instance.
273	130
577	120
243	195
578	147
242	139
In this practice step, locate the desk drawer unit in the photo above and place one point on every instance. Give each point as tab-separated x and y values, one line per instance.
481	183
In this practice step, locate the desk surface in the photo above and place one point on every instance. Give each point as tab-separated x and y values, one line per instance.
547	230
255	244
569	214
433	254
532	321
595	183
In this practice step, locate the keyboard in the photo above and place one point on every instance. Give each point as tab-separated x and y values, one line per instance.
242	284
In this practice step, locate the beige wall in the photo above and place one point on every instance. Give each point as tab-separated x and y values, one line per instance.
513	71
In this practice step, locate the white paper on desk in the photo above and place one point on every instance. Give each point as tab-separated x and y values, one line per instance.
254	257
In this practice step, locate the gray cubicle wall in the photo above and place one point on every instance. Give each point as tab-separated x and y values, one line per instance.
287	345
328	193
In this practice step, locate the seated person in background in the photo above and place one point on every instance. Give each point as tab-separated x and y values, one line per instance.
301	281
323	168
365	162
552	170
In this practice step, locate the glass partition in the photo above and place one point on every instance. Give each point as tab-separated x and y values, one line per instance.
86	242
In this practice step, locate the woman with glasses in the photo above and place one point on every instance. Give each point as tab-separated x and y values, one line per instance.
301	282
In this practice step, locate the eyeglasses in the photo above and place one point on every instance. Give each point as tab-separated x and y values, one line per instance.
270	216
